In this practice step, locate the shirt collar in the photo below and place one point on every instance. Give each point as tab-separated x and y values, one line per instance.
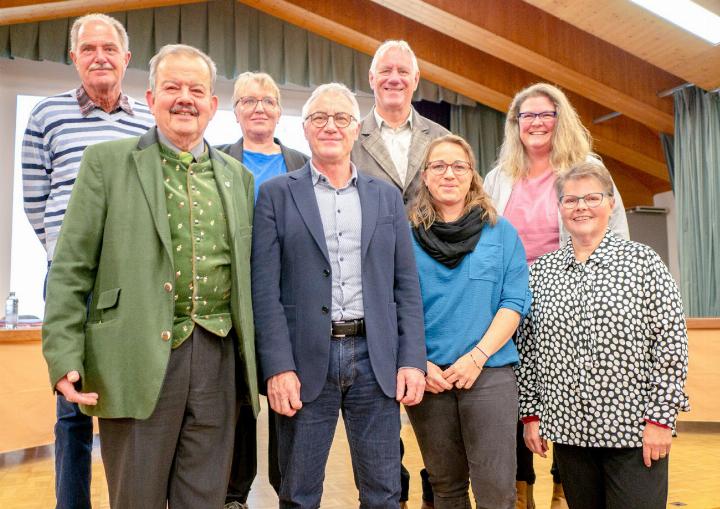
197	151
87	104
316	176
380	121
603	254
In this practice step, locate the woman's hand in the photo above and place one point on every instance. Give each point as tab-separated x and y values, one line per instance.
656	443
434	381
464	371
533	441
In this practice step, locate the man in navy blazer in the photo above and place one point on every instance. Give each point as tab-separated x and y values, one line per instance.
338	313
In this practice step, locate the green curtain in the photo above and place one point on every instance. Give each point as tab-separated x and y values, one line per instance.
697	194
237	37
482	127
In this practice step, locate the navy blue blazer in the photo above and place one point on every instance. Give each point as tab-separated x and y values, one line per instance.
291	283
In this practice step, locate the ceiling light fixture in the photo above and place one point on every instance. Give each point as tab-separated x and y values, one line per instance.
687	15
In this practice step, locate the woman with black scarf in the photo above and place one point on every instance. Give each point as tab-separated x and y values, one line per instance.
474	284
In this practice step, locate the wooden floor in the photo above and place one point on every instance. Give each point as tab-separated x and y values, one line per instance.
26	477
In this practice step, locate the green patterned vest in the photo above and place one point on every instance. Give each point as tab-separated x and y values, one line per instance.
201	249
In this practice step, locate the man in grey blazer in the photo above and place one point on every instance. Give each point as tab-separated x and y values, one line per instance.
392	142
338	314
393	136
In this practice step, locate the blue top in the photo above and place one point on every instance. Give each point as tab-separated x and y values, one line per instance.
264	166
459	304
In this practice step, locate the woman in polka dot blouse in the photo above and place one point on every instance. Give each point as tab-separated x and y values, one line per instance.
603	355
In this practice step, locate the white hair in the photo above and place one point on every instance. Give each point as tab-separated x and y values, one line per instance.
102	18
390	44
180	49
332	88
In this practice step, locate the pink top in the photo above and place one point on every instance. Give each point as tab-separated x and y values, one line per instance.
532	210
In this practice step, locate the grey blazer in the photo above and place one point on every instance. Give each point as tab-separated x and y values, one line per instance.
294	160
371	156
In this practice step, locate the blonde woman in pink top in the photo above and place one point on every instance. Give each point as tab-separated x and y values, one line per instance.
543	138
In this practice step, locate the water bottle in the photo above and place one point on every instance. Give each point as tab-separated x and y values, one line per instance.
11	311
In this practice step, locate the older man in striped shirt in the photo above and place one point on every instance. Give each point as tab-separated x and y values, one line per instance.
58	131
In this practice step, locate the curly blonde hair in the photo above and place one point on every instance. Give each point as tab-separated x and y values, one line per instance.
423	211
571	141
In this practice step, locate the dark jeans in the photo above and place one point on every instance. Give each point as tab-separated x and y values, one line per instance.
604	478
468	436
372	423
73	451
73	456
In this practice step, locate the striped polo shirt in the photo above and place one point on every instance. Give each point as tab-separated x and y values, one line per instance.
58	130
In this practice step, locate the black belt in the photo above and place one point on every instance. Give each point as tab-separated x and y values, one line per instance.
346	328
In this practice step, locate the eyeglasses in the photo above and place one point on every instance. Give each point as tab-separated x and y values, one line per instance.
527	117
459	168
592	200
250	102
320	119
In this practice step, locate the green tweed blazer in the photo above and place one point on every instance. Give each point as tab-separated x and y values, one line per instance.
110	295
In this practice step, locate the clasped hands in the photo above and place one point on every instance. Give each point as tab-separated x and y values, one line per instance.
461	374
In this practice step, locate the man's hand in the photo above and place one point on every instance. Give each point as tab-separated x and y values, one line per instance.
283	393
656	443
464	371
533	441
66	385
410	386
434	381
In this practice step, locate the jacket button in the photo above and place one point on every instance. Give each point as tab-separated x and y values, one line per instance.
168	287
166	335
326	272
325	310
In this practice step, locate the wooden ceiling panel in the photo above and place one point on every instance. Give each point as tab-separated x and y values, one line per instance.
643	34
455	65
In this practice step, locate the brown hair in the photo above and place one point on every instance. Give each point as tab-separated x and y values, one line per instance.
423	211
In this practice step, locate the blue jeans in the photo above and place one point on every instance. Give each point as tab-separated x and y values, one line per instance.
73	451
372	423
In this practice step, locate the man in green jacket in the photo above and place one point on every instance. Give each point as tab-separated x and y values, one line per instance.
149	306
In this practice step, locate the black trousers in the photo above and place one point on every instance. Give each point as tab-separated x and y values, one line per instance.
604	478
244	460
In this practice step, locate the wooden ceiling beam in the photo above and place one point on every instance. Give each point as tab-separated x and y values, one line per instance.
22	11
317	17
529	60
644	35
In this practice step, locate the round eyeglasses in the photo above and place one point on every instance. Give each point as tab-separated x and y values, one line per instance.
320	119
250	102
459	168
592	200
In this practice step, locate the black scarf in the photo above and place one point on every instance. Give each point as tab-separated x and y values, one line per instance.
448	243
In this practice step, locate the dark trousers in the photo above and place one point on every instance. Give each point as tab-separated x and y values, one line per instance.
244	462
604	478
180	456
467	436
525	470
73	456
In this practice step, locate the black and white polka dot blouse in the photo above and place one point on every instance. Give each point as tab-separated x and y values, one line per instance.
604	346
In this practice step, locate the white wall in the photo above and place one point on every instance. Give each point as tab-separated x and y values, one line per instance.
46	78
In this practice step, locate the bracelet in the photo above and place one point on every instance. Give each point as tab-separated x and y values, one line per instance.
482	352
474	361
